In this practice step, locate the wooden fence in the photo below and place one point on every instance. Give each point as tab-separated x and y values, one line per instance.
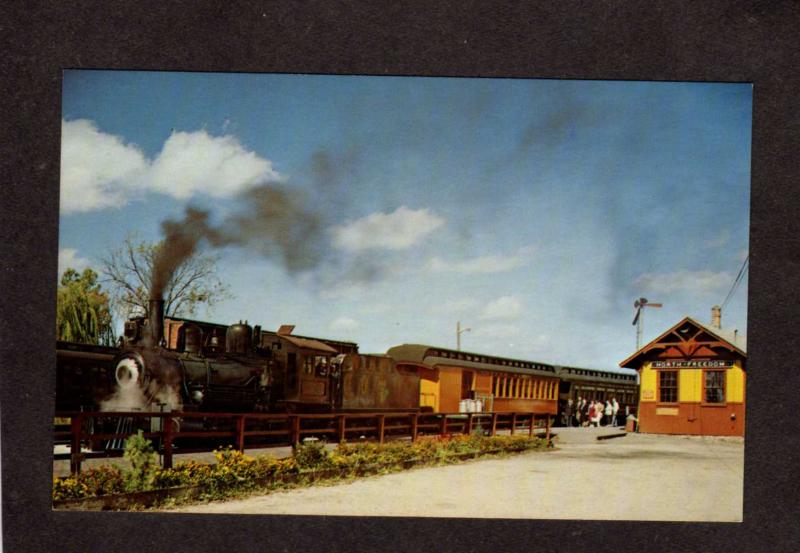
104	433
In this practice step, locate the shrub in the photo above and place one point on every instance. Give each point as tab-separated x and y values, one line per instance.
312	455
140	454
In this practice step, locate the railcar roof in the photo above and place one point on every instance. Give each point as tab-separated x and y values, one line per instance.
308	343
577	374
432	355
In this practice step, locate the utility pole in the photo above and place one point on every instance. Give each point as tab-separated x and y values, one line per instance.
459	330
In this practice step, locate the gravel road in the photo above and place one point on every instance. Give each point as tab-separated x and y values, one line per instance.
636	477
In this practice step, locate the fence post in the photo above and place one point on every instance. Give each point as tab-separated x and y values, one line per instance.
340	427
443	425
294	433
547	433
494	424
469	424
513	422
76	426
533	424
240	424
381	426
414	426
167	437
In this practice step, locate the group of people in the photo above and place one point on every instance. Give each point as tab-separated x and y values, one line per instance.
585	412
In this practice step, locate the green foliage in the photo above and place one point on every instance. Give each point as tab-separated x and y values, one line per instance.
235	472
83	312
144	464
312	455
102	480
129	271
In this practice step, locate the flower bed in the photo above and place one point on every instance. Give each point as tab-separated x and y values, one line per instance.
146	484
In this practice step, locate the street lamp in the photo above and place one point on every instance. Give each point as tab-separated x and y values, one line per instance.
459	330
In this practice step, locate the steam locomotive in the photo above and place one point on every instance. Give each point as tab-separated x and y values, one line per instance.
192	366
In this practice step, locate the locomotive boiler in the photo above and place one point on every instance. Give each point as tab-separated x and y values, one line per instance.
203	373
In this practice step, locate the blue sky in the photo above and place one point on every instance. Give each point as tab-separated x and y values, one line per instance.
533	211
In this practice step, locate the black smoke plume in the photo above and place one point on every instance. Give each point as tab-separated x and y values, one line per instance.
269	220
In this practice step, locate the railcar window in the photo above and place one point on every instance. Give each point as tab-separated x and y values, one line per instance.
715	386
668	386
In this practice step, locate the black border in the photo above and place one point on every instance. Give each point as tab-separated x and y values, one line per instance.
751	41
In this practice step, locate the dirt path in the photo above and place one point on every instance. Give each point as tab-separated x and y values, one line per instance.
637	477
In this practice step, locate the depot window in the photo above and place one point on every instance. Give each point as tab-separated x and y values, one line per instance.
714	383
668	386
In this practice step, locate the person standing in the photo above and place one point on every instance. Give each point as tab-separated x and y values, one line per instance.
607	411
578	405
568	414
614	411
587	405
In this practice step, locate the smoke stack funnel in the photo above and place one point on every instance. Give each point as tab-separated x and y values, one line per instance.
155	321
716	317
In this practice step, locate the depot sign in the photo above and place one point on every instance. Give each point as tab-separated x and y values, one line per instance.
700	364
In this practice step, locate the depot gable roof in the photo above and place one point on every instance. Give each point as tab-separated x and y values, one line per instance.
686	339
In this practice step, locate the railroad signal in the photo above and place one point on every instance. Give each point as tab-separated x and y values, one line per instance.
459	331
640	304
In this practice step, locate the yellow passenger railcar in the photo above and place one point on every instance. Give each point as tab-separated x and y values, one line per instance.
490	383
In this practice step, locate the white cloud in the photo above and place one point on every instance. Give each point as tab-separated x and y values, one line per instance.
100	170
700	282
505	307
502	331
483	264
196	162
344	324
97	169
391	231
69	258
451	307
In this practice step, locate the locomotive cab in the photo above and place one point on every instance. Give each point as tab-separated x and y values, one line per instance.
309	372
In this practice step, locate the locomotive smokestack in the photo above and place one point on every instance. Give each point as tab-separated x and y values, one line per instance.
155	320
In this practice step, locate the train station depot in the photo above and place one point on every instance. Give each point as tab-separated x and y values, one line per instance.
692	380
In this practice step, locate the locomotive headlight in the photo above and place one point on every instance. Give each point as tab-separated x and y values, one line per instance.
197	396
127	373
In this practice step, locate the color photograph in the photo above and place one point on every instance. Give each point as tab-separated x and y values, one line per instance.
402	296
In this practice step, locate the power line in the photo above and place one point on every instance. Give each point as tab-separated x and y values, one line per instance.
736	283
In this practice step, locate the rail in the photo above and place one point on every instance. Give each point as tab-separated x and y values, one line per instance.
260	430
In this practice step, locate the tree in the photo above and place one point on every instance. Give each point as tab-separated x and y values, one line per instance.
129	272
83	312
